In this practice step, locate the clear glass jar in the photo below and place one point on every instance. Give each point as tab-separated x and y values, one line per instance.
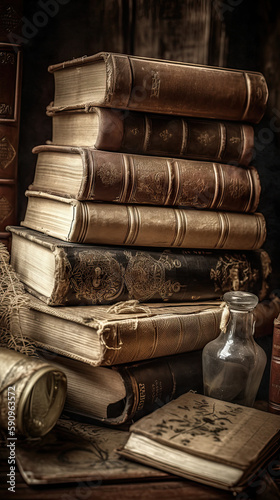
233	363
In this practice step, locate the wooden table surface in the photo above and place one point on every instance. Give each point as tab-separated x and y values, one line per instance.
264	487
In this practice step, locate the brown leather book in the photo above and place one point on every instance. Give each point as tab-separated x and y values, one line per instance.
11	21
154	134
122	393
142	225
10	83
63	273
88	174
274	384
159	86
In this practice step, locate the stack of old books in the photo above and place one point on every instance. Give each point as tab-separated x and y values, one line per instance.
142	213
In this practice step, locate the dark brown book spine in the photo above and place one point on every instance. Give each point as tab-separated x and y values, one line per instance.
274	385
11	21
151	134
128	178
161	86
10	81
151	384
86	274
160	135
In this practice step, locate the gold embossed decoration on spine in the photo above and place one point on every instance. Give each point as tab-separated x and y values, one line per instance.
32	394
145	180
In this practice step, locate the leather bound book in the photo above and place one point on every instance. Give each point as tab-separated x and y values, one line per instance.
122	393
274	384
10	83
207	440
128	331
88	174
142	225
154	134
11	20
63	273
159	86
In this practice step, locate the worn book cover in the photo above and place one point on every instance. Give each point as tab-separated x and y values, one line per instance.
124	393
146	84
155	134
274	382
64	273
205	439
126	332
84	173
142	225
76	451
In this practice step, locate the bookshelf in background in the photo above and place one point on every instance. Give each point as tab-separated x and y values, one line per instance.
10	91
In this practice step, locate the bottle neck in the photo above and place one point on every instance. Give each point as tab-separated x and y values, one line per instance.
241	324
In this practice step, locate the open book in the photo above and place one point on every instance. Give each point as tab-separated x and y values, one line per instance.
205	440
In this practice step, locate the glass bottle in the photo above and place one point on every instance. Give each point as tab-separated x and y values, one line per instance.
233	363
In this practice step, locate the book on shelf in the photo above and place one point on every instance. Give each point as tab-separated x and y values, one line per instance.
119	394
206	440
129	331
142	225
154	134
10	90
11	20
274	381
88	174
145	84
63	273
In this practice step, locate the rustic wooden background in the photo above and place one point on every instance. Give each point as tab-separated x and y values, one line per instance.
232	33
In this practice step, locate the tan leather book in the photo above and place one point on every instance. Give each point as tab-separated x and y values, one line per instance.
274	383
122	393
63	273
159	86
142	225
88	174
125	333
206	440
128	331
154	134
10	87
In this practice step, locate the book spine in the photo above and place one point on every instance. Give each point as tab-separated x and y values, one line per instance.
135	340
10	68
139	225
151	134
274	383
136	179
11	20
152	384
118	274
147	85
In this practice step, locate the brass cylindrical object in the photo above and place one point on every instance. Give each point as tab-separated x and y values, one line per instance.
32	394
